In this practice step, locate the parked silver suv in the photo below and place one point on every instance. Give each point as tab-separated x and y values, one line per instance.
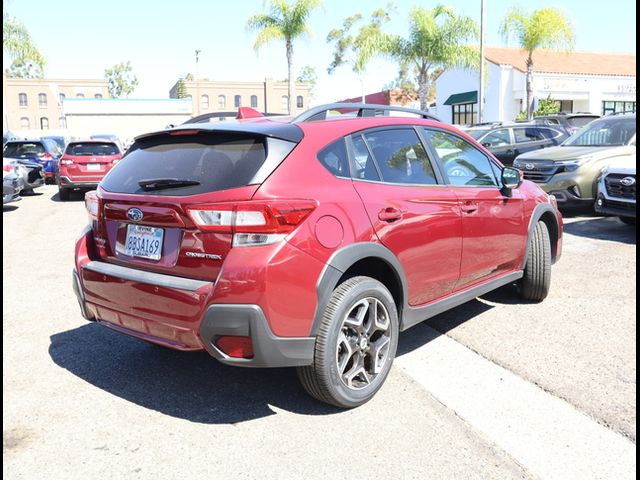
617	189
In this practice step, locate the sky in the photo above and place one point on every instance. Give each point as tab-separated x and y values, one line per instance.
81	38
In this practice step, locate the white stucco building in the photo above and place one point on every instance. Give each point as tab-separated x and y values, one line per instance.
582	81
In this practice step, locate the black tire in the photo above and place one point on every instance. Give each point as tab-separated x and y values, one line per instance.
536	281
628	220
323	380
64	194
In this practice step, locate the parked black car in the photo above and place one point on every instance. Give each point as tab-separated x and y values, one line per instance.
507	141
571	122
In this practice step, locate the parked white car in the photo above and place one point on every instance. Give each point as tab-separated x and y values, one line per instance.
617	189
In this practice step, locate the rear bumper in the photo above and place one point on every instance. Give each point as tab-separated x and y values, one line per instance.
188	320
68	182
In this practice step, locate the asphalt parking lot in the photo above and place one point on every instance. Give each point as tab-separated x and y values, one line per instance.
84	402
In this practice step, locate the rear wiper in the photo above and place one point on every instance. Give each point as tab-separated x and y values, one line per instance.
162	183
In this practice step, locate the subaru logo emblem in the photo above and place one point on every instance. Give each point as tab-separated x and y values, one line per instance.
529	166
135	214
628	181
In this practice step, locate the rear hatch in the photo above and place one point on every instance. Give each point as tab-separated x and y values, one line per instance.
144	210
90	159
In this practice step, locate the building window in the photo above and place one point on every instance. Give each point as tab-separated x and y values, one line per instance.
284	102
44	123
566	106
62	96
98	95
24	122
463	114
22	97
254	101
237	101
204	101
79	95
299	101
609	107
222	101
42	100
63	122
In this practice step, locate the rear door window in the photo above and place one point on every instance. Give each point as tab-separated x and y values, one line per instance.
530	134
364	166
401	157
218	161
497	138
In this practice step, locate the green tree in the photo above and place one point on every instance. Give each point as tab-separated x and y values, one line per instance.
181	89
285	21
121	79
436	40
188	77
547	28
27	61
308	75
546	106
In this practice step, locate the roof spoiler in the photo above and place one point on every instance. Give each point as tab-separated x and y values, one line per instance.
247	112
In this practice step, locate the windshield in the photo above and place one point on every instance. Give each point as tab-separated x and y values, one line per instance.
604	133
476	133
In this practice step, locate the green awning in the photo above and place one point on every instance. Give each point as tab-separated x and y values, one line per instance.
466	97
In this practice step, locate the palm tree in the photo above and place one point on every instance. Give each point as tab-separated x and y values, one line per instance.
18	45
286	22
546	28
436	40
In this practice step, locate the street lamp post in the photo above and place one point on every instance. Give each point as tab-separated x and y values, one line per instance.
481	86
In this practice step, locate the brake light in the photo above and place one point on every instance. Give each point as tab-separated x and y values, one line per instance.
255	222
8	168
45	156
66	161
92	203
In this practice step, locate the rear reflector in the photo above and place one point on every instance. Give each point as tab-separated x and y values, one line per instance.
66	161
236	347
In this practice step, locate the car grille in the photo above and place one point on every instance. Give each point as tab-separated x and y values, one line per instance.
539	171
615	188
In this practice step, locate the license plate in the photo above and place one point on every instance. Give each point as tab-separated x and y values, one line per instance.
93	167
144	242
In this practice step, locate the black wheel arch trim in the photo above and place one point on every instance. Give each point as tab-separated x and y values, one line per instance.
536	215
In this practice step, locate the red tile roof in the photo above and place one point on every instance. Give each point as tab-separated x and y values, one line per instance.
551	61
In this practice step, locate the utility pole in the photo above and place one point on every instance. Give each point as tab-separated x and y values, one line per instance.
197	85
481	87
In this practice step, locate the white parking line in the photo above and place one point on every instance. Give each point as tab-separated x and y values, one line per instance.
545	434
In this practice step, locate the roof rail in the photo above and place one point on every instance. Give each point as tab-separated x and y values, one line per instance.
626	112
363	110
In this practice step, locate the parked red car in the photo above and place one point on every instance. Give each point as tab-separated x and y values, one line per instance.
309	242
84	163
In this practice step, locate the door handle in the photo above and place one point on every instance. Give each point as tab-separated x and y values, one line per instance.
389	214
469	207
509	151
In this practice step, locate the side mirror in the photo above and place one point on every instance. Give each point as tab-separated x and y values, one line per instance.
486	144
511	178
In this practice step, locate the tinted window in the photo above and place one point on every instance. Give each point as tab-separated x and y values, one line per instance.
365	168
497	138
401	157
462	162
531	134
89	149
476	133
22	150
217	161
334	158
580	121
549	132
605	132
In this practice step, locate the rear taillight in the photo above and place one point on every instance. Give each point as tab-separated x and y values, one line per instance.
92	203
8	168
66	161
45	156
253	223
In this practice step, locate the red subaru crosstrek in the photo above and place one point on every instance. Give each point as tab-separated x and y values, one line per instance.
84	163
310	242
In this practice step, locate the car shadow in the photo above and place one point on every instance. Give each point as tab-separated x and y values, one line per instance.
9	208
602	228
191	386
74	196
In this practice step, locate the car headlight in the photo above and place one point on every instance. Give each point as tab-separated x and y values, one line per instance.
574	164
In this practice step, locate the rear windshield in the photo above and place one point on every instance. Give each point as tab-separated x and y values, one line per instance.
216	161
23	150
580	121
92	149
